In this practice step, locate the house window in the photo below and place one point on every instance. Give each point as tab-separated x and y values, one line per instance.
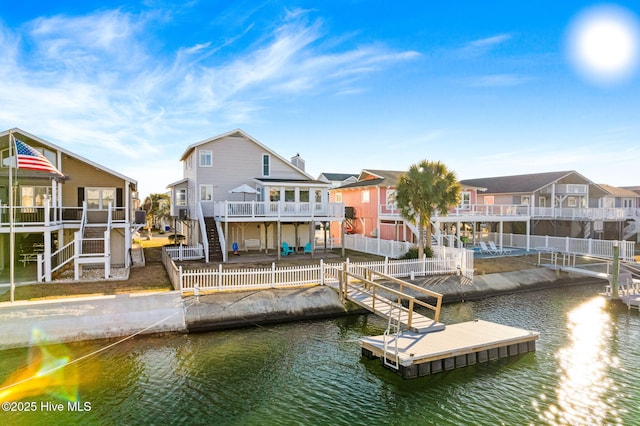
266	164
391	197
99	198
181	197
206	159
465	199
338	197
318	195
542	202
274	194
206	192
304	195
571	202
33	196
365	196
289	195
525	200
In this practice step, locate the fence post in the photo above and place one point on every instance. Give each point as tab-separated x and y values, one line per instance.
386	265
220	276
180	287
273	274
321	272
424	265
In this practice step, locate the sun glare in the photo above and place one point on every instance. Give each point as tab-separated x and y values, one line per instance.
603	44
584	387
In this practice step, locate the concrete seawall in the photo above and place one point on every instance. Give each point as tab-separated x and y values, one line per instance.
123	315
90	317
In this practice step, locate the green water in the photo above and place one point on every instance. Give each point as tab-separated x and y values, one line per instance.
586	371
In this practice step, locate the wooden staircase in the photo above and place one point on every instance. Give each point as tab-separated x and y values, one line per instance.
215	250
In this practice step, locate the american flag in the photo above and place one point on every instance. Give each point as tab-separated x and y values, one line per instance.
29	158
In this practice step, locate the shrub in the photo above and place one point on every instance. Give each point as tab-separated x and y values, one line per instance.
413	253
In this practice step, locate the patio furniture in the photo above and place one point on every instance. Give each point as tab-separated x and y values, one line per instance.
307	248
496	250
286	250
485	250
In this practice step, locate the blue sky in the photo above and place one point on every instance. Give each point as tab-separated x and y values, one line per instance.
488	88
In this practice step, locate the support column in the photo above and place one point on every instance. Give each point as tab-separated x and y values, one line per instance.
528	235
47	256
279	232
342	238
501	228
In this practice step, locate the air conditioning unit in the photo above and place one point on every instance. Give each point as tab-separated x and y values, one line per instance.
183	214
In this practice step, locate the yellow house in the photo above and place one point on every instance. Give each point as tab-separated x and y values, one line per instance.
85	218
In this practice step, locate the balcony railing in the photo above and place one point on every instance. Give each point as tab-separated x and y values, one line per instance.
272	209
46	216
575	213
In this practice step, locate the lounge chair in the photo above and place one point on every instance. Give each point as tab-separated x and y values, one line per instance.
286	250
485	250
493	247
307	248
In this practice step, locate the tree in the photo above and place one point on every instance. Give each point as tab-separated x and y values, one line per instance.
157	208
426	189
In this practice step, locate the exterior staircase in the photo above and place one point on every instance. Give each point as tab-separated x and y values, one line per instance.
93	240
215	250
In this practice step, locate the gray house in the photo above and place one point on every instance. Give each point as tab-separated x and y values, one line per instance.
562	203
238	193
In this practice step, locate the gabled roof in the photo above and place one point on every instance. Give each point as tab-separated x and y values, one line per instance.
67	153
518	183
242	134
340	177
390	177
619	192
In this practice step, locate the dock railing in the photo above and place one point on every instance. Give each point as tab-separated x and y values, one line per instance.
380	291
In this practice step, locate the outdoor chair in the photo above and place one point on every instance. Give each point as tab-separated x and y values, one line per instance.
307	248
493	247
485	250
286	250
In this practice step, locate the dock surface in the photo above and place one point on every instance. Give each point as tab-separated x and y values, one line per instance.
458	345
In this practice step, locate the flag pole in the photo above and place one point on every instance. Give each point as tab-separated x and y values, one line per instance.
12	236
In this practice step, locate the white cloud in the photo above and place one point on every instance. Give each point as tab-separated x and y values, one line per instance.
96	84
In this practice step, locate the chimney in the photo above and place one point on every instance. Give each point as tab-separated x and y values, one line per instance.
298	162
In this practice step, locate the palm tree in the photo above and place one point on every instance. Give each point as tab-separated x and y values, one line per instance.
427	188
157	208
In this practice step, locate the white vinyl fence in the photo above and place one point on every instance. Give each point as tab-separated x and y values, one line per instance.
219	279
580	246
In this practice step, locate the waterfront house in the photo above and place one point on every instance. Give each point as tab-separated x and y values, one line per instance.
237	193
85	217
562	203
371	210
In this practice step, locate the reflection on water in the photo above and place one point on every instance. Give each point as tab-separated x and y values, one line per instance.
311	373
585	391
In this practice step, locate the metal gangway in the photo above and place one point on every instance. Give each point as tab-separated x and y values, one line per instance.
390	297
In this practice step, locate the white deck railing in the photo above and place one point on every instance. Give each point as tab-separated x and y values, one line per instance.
575	213
277	209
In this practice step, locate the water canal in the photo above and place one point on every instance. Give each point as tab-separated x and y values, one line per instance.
585	372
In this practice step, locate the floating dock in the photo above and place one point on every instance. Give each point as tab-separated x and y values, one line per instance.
425	346
459	345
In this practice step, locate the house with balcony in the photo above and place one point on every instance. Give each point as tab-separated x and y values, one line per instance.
237	193
371	210
563	203
82	219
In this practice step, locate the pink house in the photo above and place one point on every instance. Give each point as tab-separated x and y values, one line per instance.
370	208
